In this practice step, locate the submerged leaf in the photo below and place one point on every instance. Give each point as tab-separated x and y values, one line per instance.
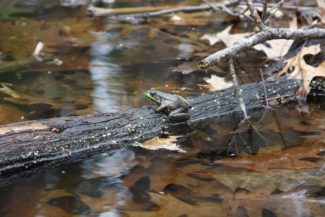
225	37
70	204
217	83
157	143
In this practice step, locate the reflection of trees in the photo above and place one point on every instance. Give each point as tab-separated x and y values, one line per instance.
106	171
127	59
102	73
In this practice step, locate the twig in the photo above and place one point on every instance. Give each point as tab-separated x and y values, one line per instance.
224	8
258	21
238	90
142	12
213	6
272	11
264	88
264	10
265	35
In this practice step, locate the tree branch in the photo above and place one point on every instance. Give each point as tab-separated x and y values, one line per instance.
265	35
272	11
237	88
143	12
254	14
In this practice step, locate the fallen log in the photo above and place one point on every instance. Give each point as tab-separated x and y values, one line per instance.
29	145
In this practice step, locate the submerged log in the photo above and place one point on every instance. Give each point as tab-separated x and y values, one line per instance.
28	145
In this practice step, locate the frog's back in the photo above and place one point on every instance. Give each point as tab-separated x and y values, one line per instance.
184	103
165	96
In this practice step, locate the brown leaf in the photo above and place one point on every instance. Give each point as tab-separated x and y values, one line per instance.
225	37
157	143
217	83
302	70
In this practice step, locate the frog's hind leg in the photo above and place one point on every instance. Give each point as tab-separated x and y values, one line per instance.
179	115
179	110
164	107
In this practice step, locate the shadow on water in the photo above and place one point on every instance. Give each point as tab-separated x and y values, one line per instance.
273	167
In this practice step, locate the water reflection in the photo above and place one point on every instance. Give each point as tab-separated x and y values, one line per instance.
225	171
103	72
99	189
107	171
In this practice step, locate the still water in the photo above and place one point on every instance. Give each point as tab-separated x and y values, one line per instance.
278	169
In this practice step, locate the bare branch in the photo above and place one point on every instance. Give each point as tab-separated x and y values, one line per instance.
224	8
213	6
272	11
258	21
238	90
264	10
264	88
142	12
265	35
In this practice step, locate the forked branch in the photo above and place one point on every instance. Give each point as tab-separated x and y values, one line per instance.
266	34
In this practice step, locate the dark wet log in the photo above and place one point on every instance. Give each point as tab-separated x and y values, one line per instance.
32	144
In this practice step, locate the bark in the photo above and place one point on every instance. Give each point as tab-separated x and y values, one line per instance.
25	146
266	34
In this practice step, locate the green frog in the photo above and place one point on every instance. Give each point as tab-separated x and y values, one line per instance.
175	106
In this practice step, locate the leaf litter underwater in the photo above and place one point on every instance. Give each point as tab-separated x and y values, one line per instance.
275	169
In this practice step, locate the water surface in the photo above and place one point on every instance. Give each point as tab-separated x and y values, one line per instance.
275	169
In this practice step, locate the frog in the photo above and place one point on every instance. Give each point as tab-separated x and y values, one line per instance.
175	106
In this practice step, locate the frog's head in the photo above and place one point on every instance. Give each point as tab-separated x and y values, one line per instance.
153	95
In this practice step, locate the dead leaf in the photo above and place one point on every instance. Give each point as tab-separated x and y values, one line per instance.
170	204
7	90
274	48
301	70
279	47
225	37
217	83
157	143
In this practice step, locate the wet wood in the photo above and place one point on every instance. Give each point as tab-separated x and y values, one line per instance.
33	144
